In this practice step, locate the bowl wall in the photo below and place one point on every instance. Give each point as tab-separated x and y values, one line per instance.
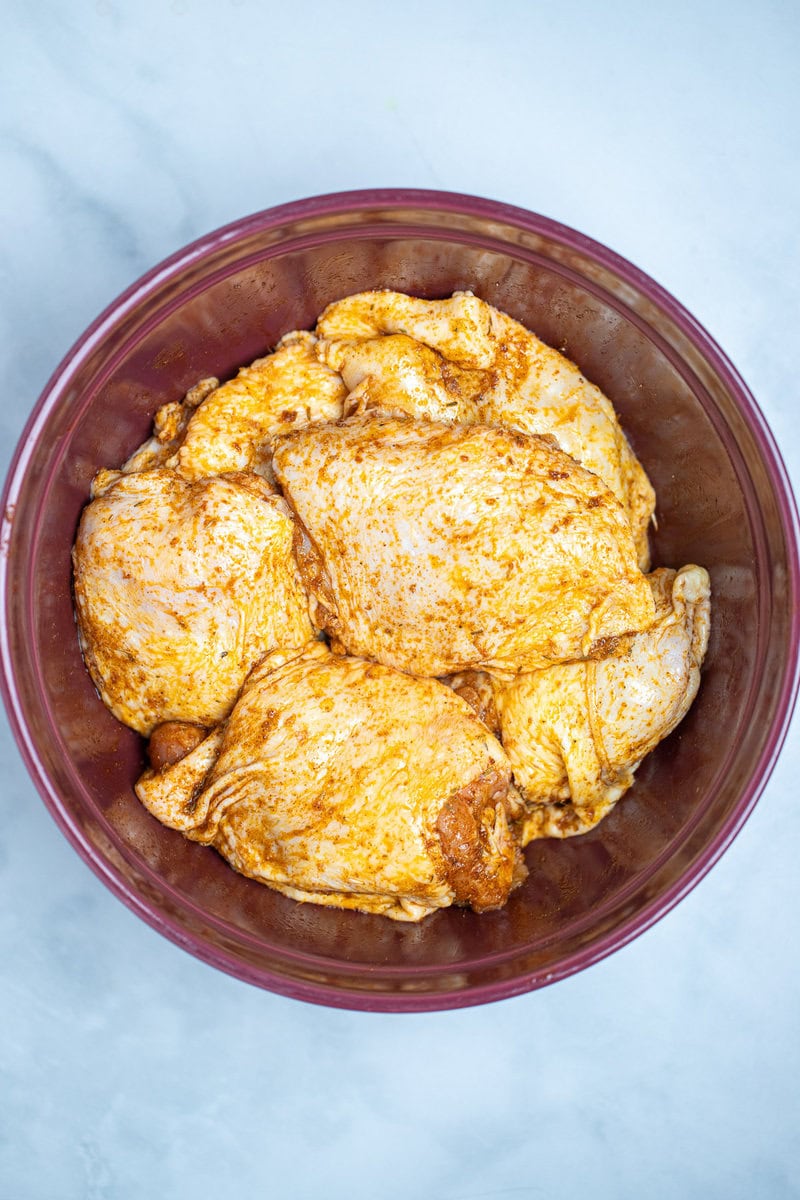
723	501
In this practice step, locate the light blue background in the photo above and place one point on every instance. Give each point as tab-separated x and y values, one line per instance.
669	133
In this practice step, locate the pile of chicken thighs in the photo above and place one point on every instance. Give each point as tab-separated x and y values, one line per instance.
381	605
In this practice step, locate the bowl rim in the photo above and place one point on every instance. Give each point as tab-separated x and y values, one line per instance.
455	204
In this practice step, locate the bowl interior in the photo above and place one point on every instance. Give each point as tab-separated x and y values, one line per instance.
720	503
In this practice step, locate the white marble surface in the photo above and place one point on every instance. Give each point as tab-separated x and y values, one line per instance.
670	133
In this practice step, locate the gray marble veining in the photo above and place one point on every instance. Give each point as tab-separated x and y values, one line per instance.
129	1069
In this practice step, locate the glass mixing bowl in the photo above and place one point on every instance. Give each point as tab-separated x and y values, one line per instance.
723	501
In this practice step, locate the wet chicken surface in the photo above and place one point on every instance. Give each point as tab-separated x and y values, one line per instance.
180	588
432	547
430	491
576	733
233	429
474	363
348	783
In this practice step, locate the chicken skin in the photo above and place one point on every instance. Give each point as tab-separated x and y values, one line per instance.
497	372
180	588
345	783
233	428
433	548
396	374
169	427
576	733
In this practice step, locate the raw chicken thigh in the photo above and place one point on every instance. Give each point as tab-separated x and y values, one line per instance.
576	733
233	427
498	372
460	328
180	588
396	374
218	428
349	784
433	548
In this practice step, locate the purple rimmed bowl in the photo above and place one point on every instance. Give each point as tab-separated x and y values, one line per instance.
723	501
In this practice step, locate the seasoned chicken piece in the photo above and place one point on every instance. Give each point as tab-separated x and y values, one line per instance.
527	385
180	588
434	548
461	328
576	733
396	374
232	429
345	783
169	426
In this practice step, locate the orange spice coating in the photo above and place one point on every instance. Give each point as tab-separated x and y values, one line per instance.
435	548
